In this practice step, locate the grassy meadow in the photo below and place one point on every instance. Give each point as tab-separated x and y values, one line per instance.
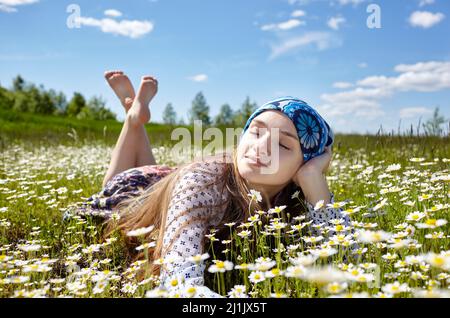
395	189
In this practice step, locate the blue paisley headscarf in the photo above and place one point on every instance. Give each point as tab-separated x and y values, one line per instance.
313	131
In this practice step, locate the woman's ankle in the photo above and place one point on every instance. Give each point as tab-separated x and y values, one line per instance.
133	120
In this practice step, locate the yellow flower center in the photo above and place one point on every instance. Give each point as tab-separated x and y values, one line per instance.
377	236
191	290
220	264
275	271
334	288
439	261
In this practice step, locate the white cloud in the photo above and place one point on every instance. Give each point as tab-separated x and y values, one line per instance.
298	13
321	40
10	5
13	3
432	66
425	19
332	2
423	77
353	2
299	2
425	2
130	28
362	65
268	27
113	13
334	22
7	9
199	78
290	24
360	102
411	112
342	85
364	99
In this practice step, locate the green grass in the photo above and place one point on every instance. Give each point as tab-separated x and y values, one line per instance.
44	170
32	127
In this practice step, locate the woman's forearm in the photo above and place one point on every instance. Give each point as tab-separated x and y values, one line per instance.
315	187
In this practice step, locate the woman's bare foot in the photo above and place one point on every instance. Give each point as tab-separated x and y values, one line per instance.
121	85
139	112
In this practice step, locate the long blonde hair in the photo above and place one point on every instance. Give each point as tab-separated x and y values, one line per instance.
151	206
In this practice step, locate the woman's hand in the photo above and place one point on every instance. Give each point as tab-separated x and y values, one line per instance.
317	165
310	177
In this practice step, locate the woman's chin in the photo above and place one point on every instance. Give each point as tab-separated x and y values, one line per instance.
253	175
248	172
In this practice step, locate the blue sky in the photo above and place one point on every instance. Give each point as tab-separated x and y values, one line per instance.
320	51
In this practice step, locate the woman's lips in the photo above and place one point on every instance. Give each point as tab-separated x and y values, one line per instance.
256	162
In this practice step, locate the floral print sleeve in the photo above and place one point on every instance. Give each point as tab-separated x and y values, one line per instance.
326	214
329	222
189	206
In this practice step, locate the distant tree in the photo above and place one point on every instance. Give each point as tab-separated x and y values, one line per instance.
225	116
21	101
18	83
27	97
106	114
98	106
22	95
181	122
85	113
39	99
199	110
433	125
59	100
33	98
46	104
95	109
241	116
6	98
75	105
169	115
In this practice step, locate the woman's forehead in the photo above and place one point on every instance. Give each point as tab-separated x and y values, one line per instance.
275	118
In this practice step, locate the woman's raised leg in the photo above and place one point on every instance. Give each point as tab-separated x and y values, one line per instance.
133	147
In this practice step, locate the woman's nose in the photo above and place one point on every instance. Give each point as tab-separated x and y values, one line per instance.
263	146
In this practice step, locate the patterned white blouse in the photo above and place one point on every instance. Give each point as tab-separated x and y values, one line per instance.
188	206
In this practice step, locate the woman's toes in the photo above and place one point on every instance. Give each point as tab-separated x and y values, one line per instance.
108	74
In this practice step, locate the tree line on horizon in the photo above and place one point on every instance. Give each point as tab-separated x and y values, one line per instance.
200	109
24	96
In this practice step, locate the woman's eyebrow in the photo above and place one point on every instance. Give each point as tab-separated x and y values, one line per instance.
285	132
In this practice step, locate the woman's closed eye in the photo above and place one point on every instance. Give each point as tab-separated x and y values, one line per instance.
257	134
